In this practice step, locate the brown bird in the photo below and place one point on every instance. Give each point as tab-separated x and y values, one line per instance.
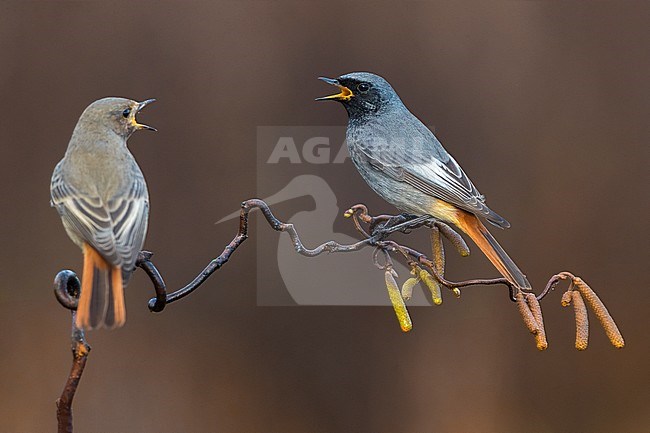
101	196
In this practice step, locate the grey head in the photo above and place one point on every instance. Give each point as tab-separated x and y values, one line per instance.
113	114
363	94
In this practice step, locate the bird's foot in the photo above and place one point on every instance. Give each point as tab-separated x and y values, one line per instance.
403	223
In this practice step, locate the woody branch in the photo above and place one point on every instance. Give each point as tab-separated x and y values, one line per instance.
429	271
376	235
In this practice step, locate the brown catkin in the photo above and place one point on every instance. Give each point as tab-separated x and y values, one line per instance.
566	297
601	312
582	321
536	309
526	314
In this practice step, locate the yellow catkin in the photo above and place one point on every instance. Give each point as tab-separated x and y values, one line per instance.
582	321
407	288
601	312
432	285
398	303
438	250
536	309
526	314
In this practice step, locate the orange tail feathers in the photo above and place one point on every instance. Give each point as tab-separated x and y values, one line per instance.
475	229
101	303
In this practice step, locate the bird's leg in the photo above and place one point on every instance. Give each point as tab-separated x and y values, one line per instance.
383	225
403	223
385	221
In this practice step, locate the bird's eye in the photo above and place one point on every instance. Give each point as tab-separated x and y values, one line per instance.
363	87
126	112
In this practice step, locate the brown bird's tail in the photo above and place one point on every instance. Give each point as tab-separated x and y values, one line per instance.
475	229
101	303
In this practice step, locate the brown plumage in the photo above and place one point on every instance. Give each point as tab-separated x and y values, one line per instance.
101	196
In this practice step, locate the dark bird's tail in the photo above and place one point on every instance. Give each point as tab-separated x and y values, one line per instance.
475	229
101	303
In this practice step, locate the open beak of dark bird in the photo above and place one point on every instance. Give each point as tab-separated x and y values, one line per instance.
139	107
344	95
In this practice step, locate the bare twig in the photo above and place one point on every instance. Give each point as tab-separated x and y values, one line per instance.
158	303
67	289
375	235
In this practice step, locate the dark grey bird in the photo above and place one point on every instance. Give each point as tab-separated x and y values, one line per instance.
101	196
403	162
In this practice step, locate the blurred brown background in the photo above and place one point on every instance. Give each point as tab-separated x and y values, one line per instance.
545	104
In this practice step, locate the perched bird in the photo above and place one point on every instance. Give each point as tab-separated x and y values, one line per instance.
102	198
403	162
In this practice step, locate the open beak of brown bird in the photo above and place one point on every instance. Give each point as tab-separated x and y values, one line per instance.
138	108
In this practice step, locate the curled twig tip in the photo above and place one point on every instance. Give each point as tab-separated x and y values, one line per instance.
67	289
